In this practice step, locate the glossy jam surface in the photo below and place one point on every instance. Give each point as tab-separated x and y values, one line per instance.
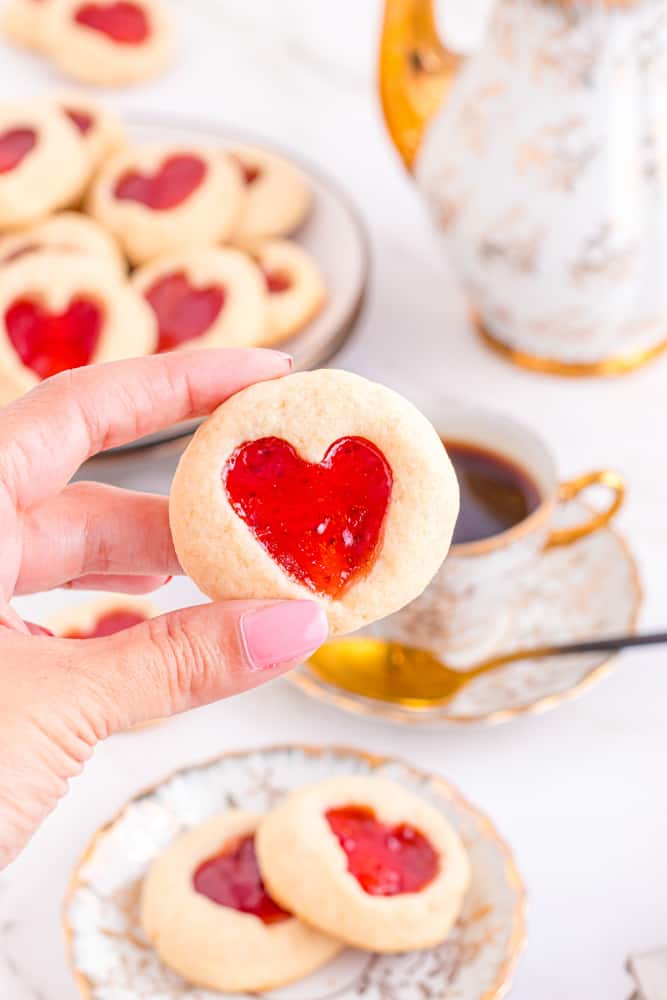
385	860
82	119
123	22
277	281
232	879
183	312
109	624
172	184
15	144
322	523
49	343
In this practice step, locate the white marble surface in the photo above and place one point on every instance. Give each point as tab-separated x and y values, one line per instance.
578	792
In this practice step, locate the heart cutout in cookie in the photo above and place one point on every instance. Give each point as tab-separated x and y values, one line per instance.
15	144
171	184
123	22
49	343
83	120
233	879
183	311
277	282
251	171
322	523
385	860
109	624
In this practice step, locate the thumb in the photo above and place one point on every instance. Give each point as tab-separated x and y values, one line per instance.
192	657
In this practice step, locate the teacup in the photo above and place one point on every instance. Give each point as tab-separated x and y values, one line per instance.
466	611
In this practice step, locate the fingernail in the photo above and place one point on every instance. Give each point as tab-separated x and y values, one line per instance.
286	357
280	633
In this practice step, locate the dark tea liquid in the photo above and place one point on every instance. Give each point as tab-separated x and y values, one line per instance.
496	493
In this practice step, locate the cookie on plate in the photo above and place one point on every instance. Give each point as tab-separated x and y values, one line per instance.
365	860
294	284
60	311
278	195
104	616
101	131
43	163
66	232
210	297
110	43
26	22
157	199
318	485
207	914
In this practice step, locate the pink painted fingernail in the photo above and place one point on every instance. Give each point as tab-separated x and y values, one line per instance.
286	357
280	633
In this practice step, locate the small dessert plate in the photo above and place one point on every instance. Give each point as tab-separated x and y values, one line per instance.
588	588
111	957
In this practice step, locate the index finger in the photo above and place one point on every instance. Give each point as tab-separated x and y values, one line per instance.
46	435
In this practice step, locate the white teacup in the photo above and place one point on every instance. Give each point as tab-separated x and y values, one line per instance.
464	613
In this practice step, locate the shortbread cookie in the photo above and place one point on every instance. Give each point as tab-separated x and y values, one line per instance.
366	861
43	163
110	42
205	910
101	131
26	22
319	485
60	311
278	195
206	298
157	199
67	232
105	616
294	284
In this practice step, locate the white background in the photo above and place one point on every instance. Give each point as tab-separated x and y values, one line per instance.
579	793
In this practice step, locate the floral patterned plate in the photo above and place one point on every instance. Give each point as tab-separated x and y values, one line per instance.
112	959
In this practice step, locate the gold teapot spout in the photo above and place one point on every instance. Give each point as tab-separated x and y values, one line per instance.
416	71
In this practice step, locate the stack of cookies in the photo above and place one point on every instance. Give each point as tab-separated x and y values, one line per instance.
249	903
113	250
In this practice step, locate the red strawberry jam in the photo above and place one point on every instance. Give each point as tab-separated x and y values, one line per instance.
109	624
277	281
183	312
15	144
385	860
123	22
322	523
233	879
49	343
83	120
172	184
251	172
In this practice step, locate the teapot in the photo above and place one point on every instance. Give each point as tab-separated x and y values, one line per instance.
543	159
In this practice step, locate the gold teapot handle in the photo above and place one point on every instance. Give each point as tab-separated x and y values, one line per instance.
416	71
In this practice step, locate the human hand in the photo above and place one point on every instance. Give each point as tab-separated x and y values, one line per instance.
59	697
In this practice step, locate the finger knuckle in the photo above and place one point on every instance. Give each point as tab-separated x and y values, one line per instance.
185	656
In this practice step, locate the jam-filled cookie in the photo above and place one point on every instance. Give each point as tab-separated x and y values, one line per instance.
206	911
157	199
26	22
294	285
278	195
101	131
368	862
105	616
67	232
110	42
60	311
318	485
43	163
209	297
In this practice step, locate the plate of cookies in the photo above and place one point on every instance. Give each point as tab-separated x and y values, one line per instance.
311	873
125	238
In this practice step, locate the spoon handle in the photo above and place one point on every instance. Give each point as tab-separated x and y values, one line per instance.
612	643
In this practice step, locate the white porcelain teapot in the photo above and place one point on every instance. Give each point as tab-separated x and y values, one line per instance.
546	170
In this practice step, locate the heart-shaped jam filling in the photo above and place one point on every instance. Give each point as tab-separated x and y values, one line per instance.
169	186
277	281
109	624
321	523
233	879
251	171
15	144
123	22
385	860
49	343
83	120
183	312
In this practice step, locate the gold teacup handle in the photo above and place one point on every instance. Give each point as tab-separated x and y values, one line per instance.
571	489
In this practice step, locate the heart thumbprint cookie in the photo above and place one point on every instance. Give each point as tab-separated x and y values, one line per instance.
209	916
210	297
26	22
369	863
109	42
43	163
294	285
160	199
101	131
278	196
105	616
319	485
61	311
66	232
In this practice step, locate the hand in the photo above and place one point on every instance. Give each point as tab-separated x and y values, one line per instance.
59	697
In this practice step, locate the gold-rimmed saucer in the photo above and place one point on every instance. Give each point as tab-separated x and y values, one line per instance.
588	588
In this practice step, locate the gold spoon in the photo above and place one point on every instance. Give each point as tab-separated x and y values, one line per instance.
391	671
